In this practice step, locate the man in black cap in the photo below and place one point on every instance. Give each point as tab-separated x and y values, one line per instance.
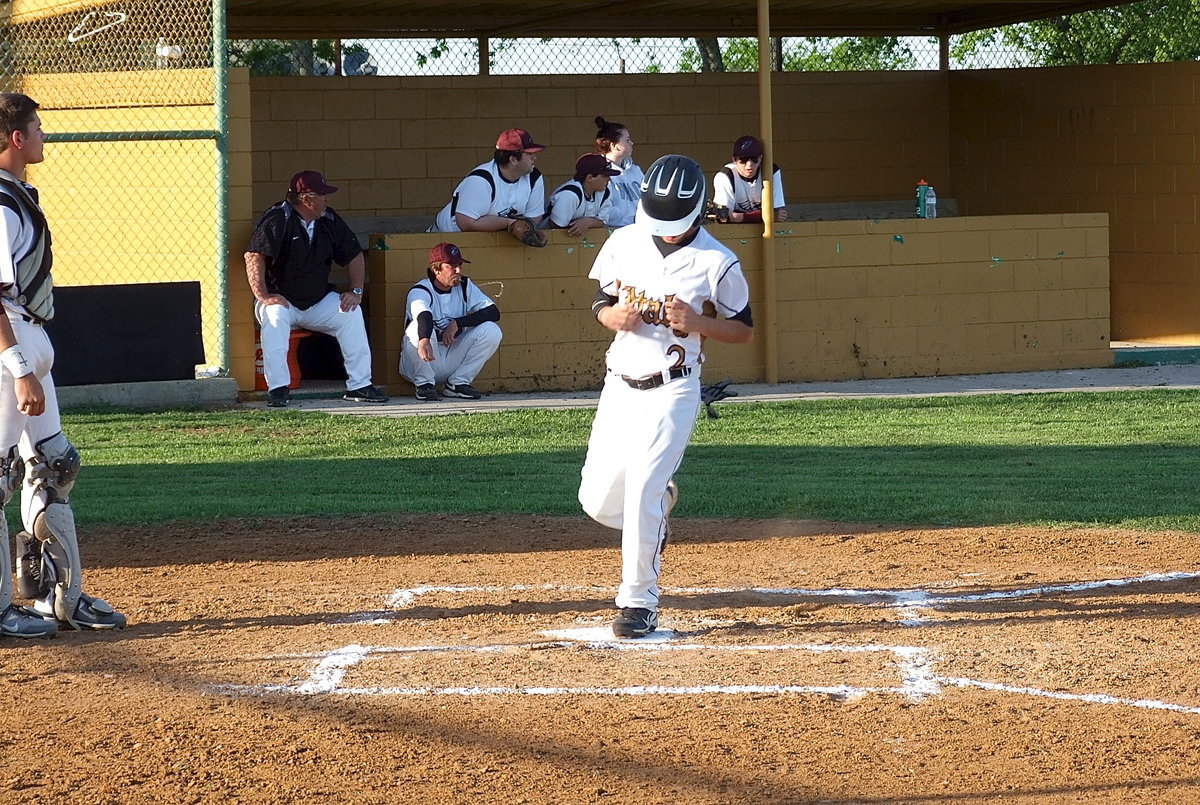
288	262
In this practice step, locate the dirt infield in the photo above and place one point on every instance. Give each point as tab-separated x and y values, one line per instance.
465	660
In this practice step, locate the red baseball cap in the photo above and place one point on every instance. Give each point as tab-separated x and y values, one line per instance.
446	253
747	147
593	165
517	140
310	182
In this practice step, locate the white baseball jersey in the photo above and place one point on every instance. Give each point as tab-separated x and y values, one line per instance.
626	192
485	191
735	193
442	305
570	202
630	267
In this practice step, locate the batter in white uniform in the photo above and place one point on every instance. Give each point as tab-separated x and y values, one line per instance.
35	456
656	278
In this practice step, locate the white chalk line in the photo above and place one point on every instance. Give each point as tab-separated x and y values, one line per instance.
912	604
918	681
911	661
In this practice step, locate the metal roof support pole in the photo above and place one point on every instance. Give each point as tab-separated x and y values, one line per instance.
485	56
770	337
220	68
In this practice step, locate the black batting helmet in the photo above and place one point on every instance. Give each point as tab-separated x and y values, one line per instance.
673	195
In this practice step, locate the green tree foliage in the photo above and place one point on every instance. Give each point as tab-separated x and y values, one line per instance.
297	57
1149	31
740	55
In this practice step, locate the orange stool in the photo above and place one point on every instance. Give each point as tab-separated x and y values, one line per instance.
260	377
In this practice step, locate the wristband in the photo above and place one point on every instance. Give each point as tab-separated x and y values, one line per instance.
15	362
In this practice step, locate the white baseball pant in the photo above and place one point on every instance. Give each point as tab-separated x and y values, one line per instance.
276	323
637	444
459	363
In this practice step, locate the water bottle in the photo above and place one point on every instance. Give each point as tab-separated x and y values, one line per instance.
926	200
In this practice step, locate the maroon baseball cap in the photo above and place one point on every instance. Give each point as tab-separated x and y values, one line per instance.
593	165
747	147
310	182
517	140
446	253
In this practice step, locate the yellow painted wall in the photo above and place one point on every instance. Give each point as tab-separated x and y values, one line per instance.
142	211
856	299
1120	139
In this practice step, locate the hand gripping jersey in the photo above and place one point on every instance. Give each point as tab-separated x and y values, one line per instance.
631	268
733	192
485	191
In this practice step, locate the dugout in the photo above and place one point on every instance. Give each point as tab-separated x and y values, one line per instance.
1072	184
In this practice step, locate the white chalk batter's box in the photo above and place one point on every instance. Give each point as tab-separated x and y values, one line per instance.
579	659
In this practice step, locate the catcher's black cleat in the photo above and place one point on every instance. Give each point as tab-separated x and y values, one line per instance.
634	622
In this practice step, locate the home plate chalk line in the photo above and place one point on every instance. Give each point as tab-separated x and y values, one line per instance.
913	664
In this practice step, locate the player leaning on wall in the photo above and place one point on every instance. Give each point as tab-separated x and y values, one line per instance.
35	456
655	279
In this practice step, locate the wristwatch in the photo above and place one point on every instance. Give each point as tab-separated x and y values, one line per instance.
356	291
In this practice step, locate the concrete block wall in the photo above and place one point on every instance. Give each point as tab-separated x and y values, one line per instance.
855	299
1120	139
901	298
399	146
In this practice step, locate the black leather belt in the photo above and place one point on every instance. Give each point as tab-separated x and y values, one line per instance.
654	381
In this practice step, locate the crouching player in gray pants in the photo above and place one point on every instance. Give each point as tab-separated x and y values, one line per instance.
35	456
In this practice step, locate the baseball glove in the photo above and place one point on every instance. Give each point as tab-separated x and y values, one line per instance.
715	393
526	231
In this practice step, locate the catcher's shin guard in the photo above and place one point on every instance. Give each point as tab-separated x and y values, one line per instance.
29	550
48	515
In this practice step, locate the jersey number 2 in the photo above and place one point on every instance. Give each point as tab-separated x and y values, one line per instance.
679	353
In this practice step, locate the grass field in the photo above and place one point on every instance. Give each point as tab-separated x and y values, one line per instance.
1123	459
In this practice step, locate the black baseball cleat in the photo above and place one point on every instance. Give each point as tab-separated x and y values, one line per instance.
463	390
367	394
427	392
278	397
634	622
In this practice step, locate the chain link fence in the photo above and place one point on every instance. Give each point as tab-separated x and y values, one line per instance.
1125	34
132	182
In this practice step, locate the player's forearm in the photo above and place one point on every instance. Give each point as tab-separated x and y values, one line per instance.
484	223
356	271
729	331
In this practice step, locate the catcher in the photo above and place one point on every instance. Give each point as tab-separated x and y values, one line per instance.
507	193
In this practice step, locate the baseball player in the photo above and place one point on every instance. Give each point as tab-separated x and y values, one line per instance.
655	278
35	456
615	144
499	192
450	329
738	186
585	201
